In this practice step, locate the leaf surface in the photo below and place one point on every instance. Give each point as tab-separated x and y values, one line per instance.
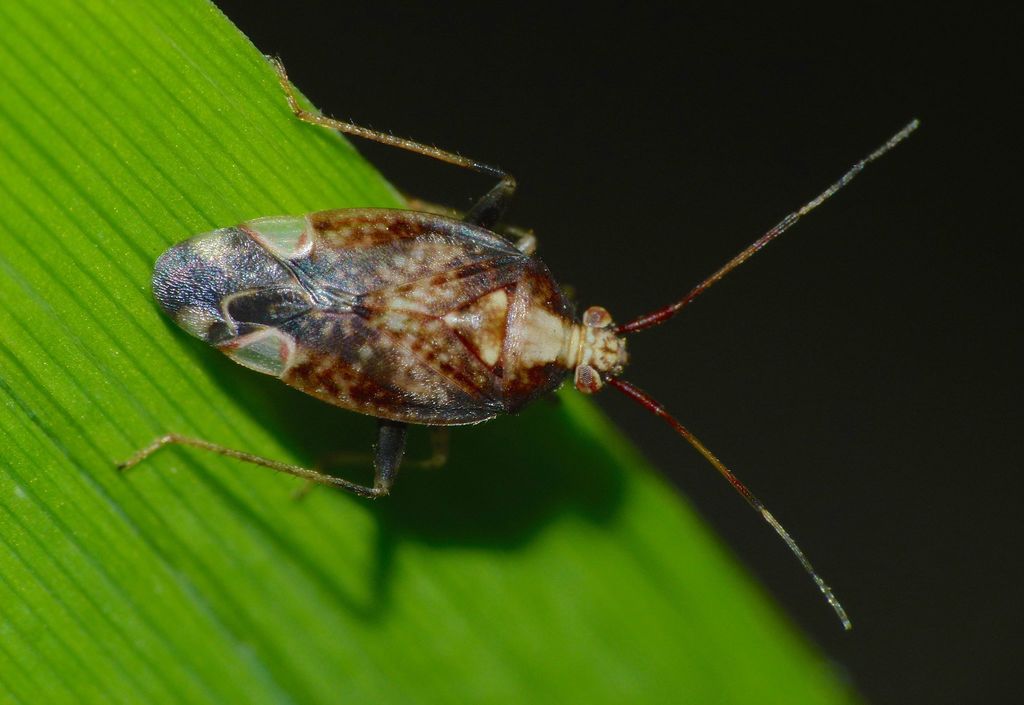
545	563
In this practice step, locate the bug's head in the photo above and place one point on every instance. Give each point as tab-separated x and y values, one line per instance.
602	351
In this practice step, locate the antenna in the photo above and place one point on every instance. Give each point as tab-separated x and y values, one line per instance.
663	314
649	403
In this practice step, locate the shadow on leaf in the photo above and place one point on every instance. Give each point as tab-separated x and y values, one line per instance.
505	480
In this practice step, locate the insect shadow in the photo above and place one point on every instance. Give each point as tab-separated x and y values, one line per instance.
504	482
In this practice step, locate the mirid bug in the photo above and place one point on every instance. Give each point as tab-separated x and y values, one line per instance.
414	317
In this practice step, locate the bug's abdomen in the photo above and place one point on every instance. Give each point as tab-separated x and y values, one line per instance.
401	315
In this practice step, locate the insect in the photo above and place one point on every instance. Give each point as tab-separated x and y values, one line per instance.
414	317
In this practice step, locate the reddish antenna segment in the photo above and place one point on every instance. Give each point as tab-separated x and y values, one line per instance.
649	403
663	314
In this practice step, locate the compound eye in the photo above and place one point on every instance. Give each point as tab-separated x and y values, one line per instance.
587	379
597	317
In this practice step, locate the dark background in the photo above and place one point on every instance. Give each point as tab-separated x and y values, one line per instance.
862	373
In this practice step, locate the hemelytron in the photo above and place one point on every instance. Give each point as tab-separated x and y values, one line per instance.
413	317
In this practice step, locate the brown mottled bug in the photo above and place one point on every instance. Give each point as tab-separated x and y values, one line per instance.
412	317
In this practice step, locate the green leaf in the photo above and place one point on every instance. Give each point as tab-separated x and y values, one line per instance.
545	563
